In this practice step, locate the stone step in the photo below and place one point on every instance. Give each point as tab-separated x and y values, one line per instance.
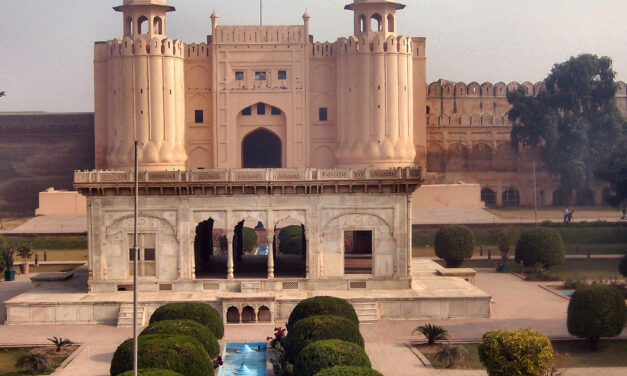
125	316
367	311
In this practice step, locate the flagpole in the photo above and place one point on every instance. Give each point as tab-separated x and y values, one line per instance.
135	254
535	196
260	12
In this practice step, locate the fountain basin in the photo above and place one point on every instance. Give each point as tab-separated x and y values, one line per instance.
244	359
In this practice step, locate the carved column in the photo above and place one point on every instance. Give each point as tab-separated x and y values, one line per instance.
270	232
229	255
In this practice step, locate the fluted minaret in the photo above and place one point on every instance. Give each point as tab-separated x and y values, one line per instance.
375	90
140	86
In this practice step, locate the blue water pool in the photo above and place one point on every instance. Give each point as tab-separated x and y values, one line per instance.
568	292
244	359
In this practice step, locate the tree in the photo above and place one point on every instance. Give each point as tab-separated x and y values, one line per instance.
572	122
454	244
519	352
451	354
612	169
35	361
596	311
540	245
503	237
60	342
622	267
432	332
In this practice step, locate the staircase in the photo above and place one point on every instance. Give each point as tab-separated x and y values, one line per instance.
125	317
367	311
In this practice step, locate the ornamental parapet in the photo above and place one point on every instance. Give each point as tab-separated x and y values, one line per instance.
251	181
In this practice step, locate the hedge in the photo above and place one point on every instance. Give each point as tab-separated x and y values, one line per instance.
596	311
540	245
321	327
189	328
199	312
454	244
291	240
183	354
250	239
348	371
622	267
329	353
519	352
151	372
322	305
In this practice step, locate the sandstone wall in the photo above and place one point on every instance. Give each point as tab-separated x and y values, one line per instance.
39	151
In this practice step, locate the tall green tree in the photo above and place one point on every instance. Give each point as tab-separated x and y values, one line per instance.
572	122
612	169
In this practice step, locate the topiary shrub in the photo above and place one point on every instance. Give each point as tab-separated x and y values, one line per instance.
151	372
250	239
189	328
183	354
540	245
519	352
454	244
622	267
321	327
322	305
329	353
596	311
199	312
348	371
291	240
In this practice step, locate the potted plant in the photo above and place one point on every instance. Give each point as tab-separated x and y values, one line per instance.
7	256
25	253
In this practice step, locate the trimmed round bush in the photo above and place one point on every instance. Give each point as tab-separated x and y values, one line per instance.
596	311
183	354
250	239
348	371
291	240
454	244
519	352
151	372
322	305
329	353
189	328
622	267
321	327
540	245
199	312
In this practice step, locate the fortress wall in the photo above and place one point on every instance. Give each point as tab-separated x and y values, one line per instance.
39	151
259	34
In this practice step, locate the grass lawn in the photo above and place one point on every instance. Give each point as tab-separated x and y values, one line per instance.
10	356
58	255
49	242
570	354
591	213
50	268
593	269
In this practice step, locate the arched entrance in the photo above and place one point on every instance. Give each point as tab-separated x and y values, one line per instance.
261	149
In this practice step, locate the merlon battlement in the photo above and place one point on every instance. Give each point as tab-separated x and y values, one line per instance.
445	88
289	34
138	46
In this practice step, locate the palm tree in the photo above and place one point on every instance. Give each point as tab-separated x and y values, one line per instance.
432	332
60	342
450	355
36	361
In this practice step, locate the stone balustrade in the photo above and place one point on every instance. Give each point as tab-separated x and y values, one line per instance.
248	175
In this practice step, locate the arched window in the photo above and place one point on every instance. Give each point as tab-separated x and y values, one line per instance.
232	315
376	23
488	196
457	158
511	197
128	26
390	23
157	25
362	23
248	314
481	157
142	23
264	314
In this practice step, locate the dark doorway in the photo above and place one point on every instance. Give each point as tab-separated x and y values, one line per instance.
261	149
209	251
357	252
488	196
290	252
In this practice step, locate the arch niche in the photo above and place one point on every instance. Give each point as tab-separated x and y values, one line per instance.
261	149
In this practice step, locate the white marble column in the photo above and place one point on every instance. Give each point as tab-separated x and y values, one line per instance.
270	254
229	256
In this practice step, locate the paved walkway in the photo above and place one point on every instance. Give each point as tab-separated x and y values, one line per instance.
516	304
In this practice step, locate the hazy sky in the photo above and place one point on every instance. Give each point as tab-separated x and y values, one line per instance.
47	45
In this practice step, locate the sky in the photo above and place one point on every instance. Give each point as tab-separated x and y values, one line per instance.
46	52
